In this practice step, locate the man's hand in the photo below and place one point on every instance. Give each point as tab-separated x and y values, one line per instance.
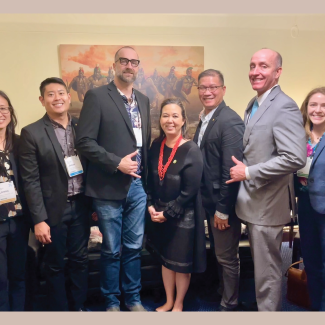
43	233
220	223
128	166
237	173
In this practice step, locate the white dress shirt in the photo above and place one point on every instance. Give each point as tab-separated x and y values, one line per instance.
205	121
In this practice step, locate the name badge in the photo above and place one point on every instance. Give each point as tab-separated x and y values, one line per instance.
138	136
304	172
7	192
73	165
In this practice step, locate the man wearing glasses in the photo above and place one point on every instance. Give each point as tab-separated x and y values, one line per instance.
114	135
220	136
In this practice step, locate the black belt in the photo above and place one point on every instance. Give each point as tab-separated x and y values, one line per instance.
73	197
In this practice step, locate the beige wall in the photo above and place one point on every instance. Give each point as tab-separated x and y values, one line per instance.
29	48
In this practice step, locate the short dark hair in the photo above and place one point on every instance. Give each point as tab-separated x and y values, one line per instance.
179	103
10	129
124	47
212	73
52	80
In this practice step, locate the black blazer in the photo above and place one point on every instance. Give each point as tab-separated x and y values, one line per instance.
14	160
43	171
105	136
222	139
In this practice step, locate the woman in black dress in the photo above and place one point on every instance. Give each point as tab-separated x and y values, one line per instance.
14	226
176	231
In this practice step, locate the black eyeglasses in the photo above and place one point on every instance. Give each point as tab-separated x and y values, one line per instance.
4	110
212	89
125	61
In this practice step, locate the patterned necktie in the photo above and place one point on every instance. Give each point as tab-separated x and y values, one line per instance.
254	109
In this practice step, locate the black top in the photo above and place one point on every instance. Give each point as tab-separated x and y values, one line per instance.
182	179
179	242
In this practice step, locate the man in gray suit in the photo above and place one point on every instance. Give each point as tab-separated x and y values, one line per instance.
274	148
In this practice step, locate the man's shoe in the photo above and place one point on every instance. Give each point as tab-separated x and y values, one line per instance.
117	308
222	308
83	309
138	307
245	306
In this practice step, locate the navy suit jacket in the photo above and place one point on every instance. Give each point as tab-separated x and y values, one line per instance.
316	179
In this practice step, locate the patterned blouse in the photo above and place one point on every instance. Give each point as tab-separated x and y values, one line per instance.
10	209
311	148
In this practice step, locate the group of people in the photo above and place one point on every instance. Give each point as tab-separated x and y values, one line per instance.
61	170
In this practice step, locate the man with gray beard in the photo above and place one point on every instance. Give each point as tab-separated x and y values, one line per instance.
114	136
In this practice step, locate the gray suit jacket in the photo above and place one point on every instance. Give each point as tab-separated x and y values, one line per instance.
274	148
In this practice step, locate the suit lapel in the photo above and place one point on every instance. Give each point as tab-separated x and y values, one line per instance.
261	110
319	149
56	145
116	97
211	122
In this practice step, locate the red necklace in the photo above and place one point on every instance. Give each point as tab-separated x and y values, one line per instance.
161	168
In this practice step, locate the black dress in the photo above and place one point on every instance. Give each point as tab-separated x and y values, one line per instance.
179	242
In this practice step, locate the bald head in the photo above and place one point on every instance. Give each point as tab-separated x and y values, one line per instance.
276	56
117	54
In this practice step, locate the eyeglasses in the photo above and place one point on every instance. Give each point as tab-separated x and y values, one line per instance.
4	110
125	61
212	89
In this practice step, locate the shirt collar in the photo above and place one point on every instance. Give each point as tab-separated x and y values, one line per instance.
59	125
124	96
208	116
261	98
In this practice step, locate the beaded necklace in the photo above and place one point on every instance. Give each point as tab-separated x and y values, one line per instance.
161	168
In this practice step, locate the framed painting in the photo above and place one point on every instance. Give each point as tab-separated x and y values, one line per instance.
164	71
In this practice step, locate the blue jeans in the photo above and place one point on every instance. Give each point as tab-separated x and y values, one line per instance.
121	223
312	234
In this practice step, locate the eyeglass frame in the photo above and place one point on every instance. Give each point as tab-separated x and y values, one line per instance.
6	108
119	59
206	88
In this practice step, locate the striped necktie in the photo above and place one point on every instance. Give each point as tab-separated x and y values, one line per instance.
254	108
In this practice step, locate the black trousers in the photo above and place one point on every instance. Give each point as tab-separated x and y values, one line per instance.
69	238
13	251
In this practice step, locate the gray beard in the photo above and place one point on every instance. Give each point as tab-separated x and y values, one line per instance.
127	80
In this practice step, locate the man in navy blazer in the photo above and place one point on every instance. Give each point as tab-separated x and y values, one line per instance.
220	136
316	180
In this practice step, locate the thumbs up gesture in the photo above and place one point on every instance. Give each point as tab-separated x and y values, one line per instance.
129	166
237	173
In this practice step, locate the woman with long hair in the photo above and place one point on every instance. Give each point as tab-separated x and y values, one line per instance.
311	197
14	225
176	231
